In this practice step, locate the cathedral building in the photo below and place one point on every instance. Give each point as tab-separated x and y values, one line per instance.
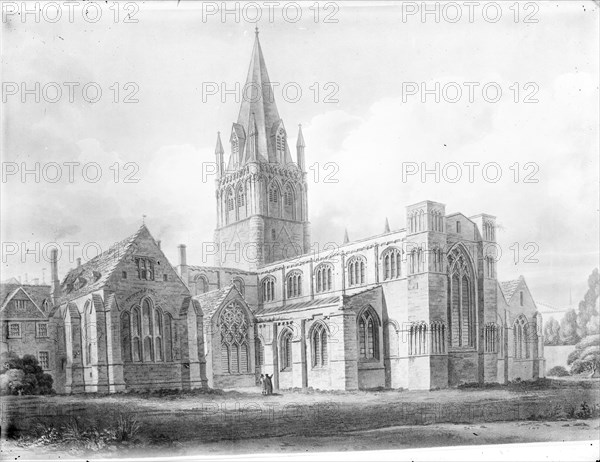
415	308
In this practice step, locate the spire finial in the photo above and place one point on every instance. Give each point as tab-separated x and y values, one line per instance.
256	31
143	219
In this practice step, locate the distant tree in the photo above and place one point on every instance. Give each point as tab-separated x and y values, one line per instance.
586	356
587	316
23	376
568	328
552	332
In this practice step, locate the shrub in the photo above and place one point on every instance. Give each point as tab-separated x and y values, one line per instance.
586	357
24	376
558	371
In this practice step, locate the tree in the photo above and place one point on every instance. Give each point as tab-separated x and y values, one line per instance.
24	376
587	316
568	328
586	356
552	332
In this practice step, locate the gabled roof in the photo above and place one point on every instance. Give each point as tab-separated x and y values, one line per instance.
37	293
510	287
211	301
94	274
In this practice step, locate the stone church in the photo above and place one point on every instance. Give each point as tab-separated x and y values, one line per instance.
416	308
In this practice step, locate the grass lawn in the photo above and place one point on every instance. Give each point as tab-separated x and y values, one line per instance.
246	421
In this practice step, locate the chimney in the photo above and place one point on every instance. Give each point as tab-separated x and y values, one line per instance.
78	262
19	278
55	292
36	281
26	279
183	268
158	244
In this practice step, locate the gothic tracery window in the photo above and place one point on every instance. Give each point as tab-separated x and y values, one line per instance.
368	335
319	345
461	299
280	144
235	348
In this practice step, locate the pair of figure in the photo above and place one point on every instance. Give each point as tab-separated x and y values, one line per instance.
267	384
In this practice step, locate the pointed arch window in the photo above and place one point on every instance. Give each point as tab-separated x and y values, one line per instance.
136	334
274	208
285	350
280	144
241	196
319	345
461	305
368	335
324	278
158	335
356	271
147	329
234	340
268	289
230	200
201	284
392	264
294	284
126	337
288	203
520	336
88	331
235	147
169	340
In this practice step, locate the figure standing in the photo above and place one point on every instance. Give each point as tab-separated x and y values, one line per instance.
269	384
263	384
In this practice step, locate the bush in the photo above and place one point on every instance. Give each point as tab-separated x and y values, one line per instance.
586	357
558	371
24	376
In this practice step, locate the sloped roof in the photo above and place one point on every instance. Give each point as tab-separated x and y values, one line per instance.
96	272
37	293
211	301
510	287
278	309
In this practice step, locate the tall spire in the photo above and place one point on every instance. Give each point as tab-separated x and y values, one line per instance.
219	146
386	228
258	98
219	156
300	149
346	238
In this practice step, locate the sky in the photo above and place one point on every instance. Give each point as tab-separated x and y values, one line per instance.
144	145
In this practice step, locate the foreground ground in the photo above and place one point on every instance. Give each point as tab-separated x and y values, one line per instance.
247	422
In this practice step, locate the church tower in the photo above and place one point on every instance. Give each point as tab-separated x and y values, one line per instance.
261	193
